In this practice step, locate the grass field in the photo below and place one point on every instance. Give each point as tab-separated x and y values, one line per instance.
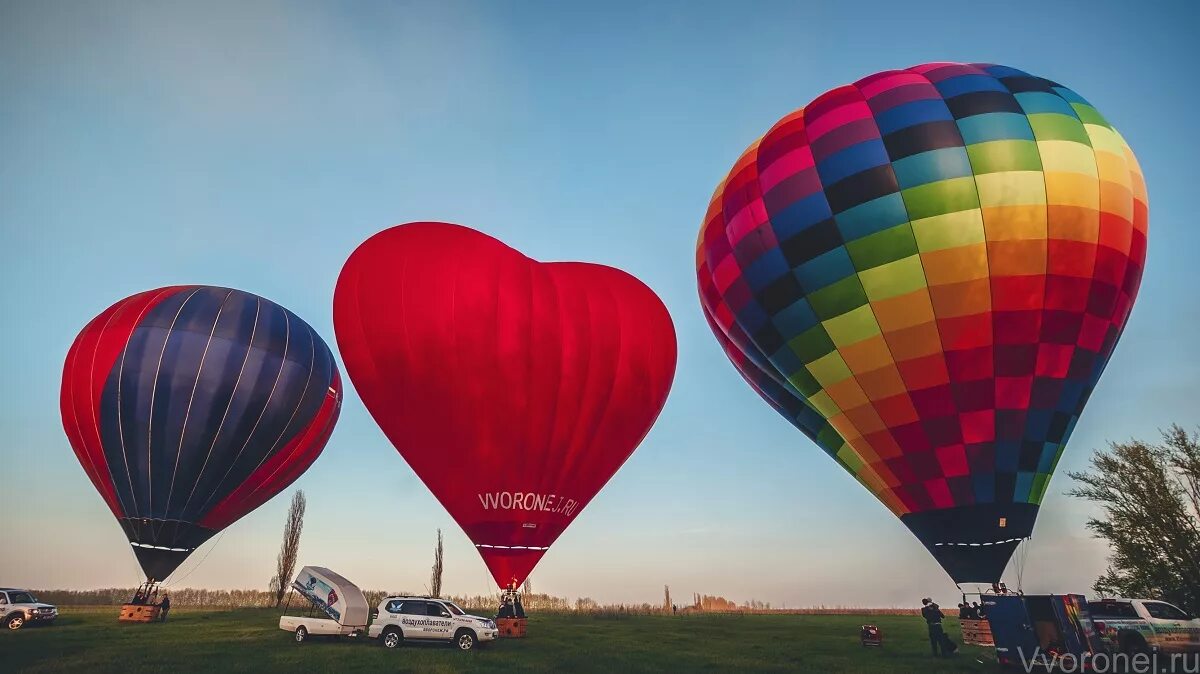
91	640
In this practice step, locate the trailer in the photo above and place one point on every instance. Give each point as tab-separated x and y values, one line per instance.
1041	629
337	607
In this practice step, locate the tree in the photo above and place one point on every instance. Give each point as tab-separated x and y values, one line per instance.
527	589
285	563
666	597
435	580
1150	495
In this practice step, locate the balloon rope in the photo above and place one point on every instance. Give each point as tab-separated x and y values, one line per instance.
1022	556
206	554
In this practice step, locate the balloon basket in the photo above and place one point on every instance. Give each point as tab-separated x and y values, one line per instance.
870	635
511	628
139	613
977	633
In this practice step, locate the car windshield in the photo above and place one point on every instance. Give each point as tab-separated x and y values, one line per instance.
454	608
21	598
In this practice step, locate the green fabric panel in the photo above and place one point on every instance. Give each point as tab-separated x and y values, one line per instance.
838	298
804	382
1038	492
812	344
944	196
829	437
882	247
853	326
1004	155
1089	115
822	403
1053	126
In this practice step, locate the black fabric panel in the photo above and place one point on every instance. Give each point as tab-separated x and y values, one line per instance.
922	138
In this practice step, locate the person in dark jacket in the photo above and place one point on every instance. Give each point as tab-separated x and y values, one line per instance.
164	607
977	611
939	643
964	612
506	608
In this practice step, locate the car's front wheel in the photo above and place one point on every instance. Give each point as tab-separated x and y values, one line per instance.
464	640
391	638
301	634
15	622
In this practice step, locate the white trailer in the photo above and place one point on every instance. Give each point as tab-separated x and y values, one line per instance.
338	607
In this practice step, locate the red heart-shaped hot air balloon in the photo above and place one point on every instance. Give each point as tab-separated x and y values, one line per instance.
514	388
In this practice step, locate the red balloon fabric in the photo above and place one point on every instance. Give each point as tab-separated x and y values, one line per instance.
514	388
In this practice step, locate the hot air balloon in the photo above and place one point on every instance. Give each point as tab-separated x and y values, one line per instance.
514	389
926	271
190	406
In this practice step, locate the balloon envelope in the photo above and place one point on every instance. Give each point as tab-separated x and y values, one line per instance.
926	271
190	406
515	389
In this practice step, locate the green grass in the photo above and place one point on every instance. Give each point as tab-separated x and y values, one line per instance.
91	640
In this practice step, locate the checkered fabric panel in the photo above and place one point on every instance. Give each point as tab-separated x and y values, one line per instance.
926	272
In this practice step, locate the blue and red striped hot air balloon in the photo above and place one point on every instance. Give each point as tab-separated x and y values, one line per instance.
190	406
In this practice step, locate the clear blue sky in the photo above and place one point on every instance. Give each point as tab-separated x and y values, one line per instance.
255	144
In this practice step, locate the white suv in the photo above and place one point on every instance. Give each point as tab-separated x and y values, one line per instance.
18	608
401	619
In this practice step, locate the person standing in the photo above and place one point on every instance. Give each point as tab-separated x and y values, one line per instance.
939	643
164	607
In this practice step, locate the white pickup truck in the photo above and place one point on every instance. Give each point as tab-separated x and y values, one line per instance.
1144	626
337	606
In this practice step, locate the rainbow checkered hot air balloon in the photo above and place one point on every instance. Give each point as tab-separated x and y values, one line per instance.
926	272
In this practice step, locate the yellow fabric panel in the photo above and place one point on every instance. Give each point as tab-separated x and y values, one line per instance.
1067	157
1011	188
949	230
1072	189
894	278
829	369
822	403
1113	168
1006	223
1103	139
